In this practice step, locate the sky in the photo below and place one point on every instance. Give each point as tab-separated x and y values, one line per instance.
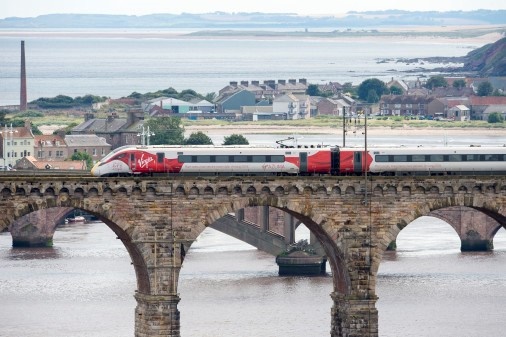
32	8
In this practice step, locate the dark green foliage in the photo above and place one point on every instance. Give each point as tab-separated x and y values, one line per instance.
436	82
198	138
83	156
235	139
166	131
313	90
395	90
185	95
65	102
495	117
485	89
372	96
459	84
379	88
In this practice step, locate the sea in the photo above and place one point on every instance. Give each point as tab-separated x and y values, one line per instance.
115	63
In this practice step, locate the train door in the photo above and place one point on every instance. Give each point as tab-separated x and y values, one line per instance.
335	162
303	162
160	162
357	162
133	162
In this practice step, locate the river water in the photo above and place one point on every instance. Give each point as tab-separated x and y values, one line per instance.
84	285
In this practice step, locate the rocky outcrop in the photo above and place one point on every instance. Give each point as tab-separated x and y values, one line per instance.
489	60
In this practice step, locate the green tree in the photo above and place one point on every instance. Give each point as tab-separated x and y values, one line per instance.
395	90
235	139
210	96
495	117
372	96
436	82
165	130
459	84
485	89
379	88
83	156
313	90
198	138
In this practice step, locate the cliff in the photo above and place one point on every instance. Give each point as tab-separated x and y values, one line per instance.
489	60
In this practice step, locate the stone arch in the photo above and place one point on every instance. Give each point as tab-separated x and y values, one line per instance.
279	191
336	190
350	190
265	190
208	190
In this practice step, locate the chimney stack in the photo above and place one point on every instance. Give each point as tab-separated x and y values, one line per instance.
22	98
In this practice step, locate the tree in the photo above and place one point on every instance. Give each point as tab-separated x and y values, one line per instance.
436	82
459	84
235	139
495	117
374	84
313	90
83	156
372	96
198	138
485	89
395	90
165	130
210	96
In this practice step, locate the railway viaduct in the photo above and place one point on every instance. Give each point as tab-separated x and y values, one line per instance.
354	219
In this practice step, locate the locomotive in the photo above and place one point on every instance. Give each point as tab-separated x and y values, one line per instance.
201	160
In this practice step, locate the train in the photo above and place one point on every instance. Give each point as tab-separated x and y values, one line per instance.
203	160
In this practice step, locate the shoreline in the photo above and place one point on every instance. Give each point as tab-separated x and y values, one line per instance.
373	131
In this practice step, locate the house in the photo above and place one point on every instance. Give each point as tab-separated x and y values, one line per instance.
494	108
233	100
479	104
16	143
268	89
439	106
398	84
294	106
404	105
335	88
30	163
97	147
260	112
116	131
50	147
333	107
459	113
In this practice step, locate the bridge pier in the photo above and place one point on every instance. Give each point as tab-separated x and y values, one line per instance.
157	316
353	317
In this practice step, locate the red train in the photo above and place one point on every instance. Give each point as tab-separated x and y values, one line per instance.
301	160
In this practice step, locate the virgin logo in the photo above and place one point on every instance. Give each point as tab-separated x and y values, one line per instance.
143	163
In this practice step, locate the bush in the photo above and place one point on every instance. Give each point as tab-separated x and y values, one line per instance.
495	117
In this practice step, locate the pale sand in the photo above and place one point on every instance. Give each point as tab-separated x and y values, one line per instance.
373	131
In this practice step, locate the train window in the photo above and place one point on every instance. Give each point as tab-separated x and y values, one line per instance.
203	159
222	159
455	157
132	156
381	158
400	158
240	159
418	158
184	159
259	159
490	157
436	157
471	157
277	159
120	156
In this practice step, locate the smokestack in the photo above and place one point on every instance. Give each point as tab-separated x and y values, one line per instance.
22	98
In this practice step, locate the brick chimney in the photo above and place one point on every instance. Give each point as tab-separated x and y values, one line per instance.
22	96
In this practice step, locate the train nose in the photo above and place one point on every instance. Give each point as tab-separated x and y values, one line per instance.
95	171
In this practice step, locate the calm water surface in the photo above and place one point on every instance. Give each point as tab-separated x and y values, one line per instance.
116	67
84	286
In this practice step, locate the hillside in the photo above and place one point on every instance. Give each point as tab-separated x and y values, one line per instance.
222	20
489	60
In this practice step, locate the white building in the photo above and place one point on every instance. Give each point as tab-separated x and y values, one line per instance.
293	105
16	143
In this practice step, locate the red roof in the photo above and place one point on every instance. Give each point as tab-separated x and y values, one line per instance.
488	100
